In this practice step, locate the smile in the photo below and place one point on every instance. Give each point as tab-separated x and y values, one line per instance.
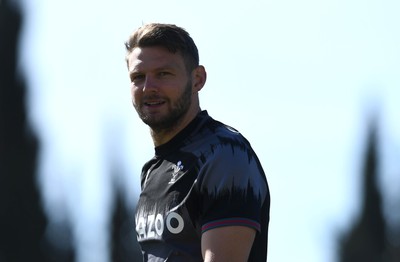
153	103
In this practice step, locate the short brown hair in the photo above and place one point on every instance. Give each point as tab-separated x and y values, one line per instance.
173	38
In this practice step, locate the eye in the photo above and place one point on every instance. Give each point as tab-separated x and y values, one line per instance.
164	73
136	78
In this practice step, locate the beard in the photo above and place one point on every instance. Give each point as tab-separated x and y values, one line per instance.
174	115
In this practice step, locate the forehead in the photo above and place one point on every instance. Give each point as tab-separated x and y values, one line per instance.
148	58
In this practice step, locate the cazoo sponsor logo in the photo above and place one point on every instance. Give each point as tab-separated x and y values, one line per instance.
154	225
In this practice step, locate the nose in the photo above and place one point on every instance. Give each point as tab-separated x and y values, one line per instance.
150	84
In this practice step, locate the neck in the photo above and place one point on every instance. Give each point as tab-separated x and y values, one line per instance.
163	136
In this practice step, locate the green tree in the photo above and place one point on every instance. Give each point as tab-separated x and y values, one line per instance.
22	221
366	241
124	246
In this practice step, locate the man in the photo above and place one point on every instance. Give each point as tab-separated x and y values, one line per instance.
204	193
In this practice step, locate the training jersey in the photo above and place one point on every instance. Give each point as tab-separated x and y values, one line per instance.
206	177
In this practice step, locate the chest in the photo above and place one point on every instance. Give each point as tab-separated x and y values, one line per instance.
167	203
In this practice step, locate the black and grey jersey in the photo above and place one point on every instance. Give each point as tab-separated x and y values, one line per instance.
207	176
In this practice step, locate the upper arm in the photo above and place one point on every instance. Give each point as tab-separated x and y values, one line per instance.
229	243
233	208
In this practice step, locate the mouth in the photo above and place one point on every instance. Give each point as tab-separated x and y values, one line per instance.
154	103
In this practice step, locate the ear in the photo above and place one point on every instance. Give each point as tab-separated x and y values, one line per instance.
199	77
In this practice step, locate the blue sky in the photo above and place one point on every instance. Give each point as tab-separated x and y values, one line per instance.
298	78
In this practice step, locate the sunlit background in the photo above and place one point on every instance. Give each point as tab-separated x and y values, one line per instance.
302	80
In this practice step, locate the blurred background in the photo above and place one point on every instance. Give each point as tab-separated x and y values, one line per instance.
314	85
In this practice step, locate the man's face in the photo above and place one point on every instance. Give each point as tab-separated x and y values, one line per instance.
161	88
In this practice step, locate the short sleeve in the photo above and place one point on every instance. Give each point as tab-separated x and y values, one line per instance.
232	187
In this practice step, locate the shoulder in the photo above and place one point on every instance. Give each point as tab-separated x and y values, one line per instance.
217	133
229	161
229	144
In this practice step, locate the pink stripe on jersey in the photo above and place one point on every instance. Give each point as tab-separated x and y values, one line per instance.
235	221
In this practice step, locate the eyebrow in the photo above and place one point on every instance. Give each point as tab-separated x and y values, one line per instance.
135	70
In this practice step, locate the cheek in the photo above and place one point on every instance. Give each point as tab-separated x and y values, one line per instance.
135	94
